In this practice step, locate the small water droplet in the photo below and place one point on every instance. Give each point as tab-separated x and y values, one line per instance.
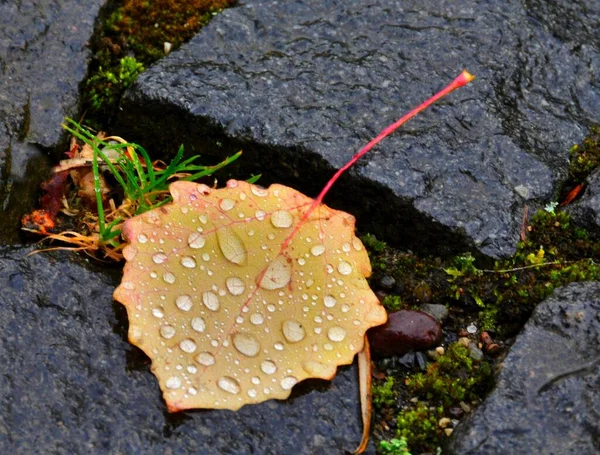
205	257
318	369
188	262
271	308
252	393
357	244
336	333
317	250
158	313
278	346
196	240
268	367
152	217
235	285
192	391
198	324
328	347
229	384
281	219
211	301
257	318
191	369
345	308
173	383
203	218
255	380
226	204
168	277
167	332
188	345
232	246
329	301
184	302
128	285
159	258
206	359
135	333
346	247
246	343
142	238
288	382
260	215
293	331
277	275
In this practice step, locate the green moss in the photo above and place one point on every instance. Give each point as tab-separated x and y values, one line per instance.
585	157
133	36
455	377
392	303
394	447
383	394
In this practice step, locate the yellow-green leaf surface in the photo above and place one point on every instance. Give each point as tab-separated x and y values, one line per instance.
235	307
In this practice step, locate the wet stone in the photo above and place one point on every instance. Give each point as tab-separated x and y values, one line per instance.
65	358
546	396
303	79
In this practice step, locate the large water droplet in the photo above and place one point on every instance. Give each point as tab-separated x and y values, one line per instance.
329	301
184	302
188	345
206	359
235	285
226	204
229	384
158	312
288	382
198	324
159	258
293	331
258	191
277	275
211	301
173	383
317	250
281	219
344	268
246	343
268	367
168	277
142	238
196	240
232	246
188	262
336	333
167	332
318	369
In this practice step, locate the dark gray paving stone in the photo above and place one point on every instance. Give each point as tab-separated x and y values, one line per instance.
302	85
586	211
546	399
70	383
43	59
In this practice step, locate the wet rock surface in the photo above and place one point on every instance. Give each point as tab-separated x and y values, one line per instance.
302	85
546	399
586	211
43	59
71	383
405	331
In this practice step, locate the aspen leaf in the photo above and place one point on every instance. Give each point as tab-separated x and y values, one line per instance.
237	294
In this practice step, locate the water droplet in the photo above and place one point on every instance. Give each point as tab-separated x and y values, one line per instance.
192	391
128	285
255	380
135	333
252	393
301	261
158	312
159	258
142	238
271	308
318	369
173	383
268	367
203	218
281	219
345	308
211	301
198	324
346	247
344	268
196	240
184	302
277	275
188	262
168	277
229	385
278	346
357	244
257	318
232	246
226	204
260	215
258	191
188	345
317	250
246	343
288	382
152	217
293	331
192	369
167	332
205	257
329	301
336	333
235	285
328	347
206	359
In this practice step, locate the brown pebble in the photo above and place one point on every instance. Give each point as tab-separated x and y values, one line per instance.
466	342
422	292
448	431
444	422
463	333
405	331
